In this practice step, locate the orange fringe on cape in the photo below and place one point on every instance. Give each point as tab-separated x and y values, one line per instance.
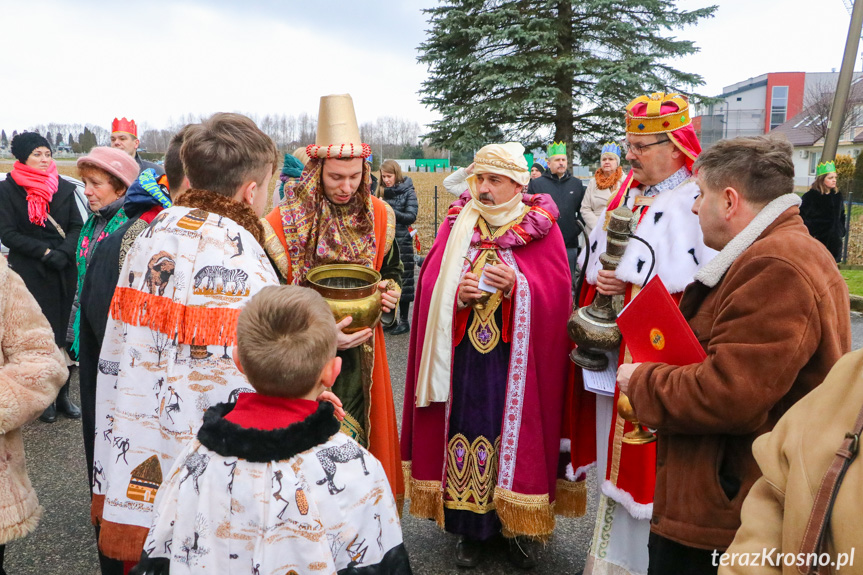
189	324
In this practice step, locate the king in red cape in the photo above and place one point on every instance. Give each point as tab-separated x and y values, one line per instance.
488	367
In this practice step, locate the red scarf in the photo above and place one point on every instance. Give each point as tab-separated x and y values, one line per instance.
40	186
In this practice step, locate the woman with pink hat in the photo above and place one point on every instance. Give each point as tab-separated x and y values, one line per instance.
107	173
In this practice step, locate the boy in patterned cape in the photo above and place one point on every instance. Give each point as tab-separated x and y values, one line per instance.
165	355
270	486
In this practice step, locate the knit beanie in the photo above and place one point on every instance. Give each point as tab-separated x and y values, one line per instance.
539	167
23	145
114	161
293	168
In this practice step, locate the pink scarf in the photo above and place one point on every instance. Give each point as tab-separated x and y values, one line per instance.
40	186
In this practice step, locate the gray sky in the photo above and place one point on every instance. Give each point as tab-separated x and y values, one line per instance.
88	61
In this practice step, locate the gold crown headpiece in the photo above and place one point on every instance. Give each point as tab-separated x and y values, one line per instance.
657	114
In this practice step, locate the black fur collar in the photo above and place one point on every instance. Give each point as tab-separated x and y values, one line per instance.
259	446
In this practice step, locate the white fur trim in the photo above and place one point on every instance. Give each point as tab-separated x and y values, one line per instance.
637	510
712	273
565	446
574	474
675	238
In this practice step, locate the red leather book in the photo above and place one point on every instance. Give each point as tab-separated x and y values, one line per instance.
655	330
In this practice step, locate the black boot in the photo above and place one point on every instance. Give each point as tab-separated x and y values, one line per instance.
49	415
404	326
522	553
468	553
65	405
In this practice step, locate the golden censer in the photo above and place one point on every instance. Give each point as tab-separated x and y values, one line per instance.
594	328
350	290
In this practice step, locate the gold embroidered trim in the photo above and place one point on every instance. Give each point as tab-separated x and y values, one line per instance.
524	515
616	448
274	249
483	335
352	428
570	498
470	486
392	285
391	228
499	164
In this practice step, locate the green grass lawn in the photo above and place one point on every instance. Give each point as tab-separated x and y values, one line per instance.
854	279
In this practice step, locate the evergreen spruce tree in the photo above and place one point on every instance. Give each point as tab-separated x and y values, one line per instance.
87	140
544	70
58	140
4	141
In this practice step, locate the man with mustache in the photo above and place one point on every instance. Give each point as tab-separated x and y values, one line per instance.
661	146
488	366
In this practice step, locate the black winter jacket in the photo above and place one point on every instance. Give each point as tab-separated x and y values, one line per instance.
52	280
567	192
403	200
144	165
824	216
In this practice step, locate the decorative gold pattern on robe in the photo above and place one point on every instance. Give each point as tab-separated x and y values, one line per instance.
471	474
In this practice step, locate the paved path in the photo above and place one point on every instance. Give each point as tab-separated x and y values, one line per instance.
64	542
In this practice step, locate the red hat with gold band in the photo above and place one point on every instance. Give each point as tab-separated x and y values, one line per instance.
662	113
338	135
126	126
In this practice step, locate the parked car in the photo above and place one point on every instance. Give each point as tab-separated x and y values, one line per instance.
80	201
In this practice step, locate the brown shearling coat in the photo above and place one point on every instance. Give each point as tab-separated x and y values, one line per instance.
794	458
32	370
772	313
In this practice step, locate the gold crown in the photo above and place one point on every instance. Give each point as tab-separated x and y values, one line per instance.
649	119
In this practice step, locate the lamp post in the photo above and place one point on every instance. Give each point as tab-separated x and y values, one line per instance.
843	85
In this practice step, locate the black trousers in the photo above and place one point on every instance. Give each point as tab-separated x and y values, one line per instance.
2	551
667	557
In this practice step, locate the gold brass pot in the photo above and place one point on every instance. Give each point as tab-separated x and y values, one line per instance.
350	290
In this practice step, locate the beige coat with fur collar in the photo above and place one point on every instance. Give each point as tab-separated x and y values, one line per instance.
32	370
794	458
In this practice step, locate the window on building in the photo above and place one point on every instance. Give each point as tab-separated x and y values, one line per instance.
778	106
813	162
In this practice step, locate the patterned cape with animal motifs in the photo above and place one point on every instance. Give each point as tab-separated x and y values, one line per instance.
301	499
166	358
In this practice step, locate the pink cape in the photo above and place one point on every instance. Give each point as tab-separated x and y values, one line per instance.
534	405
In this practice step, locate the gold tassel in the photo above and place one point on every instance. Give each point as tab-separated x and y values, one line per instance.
570	498
524	515
406	471
427	500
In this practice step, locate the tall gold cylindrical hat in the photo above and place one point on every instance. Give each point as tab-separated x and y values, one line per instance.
338	134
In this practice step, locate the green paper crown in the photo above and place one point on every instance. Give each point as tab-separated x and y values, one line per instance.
825	168
557	149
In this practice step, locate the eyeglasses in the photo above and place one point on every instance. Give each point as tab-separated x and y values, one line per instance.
638	149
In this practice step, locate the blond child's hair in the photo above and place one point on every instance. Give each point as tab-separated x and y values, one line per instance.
285	335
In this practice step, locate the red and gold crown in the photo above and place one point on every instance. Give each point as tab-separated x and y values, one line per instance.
657	114
124	125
